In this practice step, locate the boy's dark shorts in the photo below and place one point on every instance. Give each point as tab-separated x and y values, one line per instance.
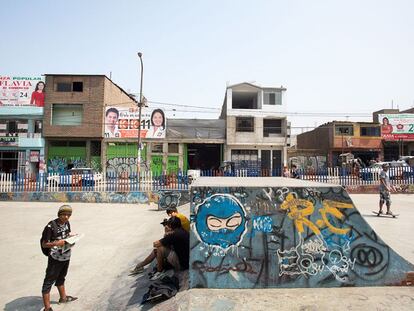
55	274
171	259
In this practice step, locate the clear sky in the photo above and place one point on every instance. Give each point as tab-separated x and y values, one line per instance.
345	57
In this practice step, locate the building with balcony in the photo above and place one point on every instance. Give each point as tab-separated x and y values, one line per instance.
257	129
21	142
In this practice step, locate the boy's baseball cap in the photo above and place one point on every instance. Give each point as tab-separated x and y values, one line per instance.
164	222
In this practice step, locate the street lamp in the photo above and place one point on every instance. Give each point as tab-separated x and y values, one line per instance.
139	123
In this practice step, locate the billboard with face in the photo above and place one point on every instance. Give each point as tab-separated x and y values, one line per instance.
397	126
22	91
122	122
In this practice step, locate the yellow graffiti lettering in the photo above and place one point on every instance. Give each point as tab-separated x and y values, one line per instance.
297	210
332	208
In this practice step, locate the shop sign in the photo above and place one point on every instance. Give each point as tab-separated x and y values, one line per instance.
34	156
9	141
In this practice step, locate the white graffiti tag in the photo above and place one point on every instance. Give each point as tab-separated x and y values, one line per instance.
340	264
301	259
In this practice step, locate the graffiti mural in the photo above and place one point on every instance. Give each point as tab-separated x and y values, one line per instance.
120	166
117	166
168	198
285	237
88	197
60	165
220	221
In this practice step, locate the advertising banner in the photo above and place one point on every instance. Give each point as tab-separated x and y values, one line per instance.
121	122
22	91
397	126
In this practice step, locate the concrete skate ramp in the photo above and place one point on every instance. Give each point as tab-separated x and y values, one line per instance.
279	232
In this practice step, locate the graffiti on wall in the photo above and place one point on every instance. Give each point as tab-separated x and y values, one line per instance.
124	165
168	198
118	166
309	162
60	165
285	237
220	221
89	197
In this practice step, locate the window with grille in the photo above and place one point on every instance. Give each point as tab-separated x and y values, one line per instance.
370	131
272	98
244	124
347	130
173	148
156	148
244	155
272	126
95	148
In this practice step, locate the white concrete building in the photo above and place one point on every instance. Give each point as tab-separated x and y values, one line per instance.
257	130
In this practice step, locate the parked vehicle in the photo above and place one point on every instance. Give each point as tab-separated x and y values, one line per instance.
408	159
76	177
398	170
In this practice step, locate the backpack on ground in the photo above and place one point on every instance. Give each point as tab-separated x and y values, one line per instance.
54	226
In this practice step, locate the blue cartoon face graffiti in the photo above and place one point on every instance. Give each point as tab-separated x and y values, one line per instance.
221	221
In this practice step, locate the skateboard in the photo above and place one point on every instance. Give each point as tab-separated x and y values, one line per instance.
385	215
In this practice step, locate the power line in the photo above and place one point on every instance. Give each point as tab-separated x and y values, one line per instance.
187	106
256	111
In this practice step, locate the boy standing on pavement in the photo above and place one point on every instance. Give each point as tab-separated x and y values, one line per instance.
58	260
385	189
173	212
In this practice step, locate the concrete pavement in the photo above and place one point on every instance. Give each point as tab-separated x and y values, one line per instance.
117	235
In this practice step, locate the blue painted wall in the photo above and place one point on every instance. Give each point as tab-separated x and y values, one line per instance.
285	237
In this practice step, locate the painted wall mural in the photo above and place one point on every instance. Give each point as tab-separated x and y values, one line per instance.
60	165
91	197
117	166
124	165
285	237
168	198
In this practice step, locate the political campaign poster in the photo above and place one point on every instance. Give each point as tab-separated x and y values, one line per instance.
122	122
397	126
22	91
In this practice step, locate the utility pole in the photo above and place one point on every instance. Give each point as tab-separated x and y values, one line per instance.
139	122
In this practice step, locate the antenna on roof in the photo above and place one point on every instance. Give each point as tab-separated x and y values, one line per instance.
110	75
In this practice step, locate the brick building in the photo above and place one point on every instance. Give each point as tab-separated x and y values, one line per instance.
74	118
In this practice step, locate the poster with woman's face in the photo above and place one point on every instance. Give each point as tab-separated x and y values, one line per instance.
397	126
122	122
22	91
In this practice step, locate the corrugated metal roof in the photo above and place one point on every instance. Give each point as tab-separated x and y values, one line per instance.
196	128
